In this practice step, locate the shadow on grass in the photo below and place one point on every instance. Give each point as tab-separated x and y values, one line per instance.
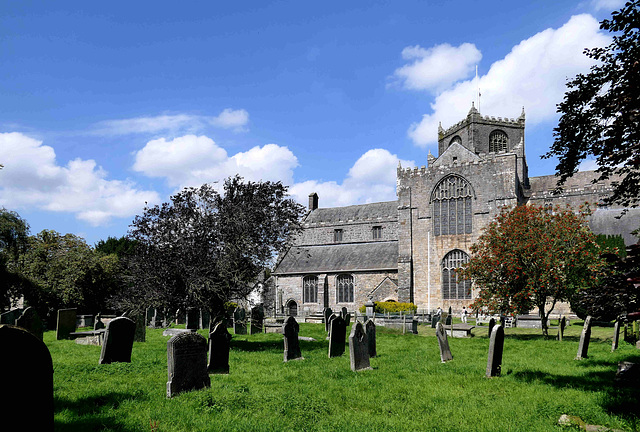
92	412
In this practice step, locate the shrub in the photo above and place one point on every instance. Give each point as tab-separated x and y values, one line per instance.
391	306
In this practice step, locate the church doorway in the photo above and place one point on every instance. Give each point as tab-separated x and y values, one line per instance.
292	308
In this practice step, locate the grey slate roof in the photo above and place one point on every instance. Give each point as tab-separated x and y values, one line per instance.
362	212
339	258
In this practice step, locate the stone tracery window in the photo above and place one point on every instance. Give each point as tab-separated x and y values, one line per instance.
344	288
497	141
451	203
454	287
310	289
455	139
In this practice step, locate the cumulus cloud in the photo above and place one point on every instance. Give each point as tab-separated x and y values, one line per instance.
532	75
31	177
192	160
173	124
609	5
438	67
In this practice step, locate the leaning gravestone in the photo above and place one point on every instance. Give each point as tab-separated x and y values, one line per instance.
66	323
10	317
337	337
331	318
257	319
496	346
240	321
561	325
370	329
26	373
187	363
358	348
192	319
118	341
443	343
492	324
585	336
219	341
31	321
141	329
326	313
290	331
616	335
98	324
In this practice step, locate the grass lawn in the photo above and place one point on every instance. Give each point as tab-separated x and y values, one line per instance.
408	389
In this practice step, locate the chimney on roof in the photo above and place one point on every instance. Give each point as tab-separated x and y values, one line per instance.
313	201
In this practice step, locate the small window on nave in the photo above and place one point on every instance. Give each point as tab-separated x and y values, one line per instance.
344	288
451	203
310	289
497	141
454	287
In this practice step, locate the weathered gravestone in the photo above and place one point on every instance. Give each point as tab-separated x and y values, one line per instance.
561	326
585	336
192	319
434	320
11	316
616	335
156	318
141	329
369	309
26	373
337	337
370	329
347	319
443	343
449	317
331	318
628	374
358	348
257	319
326	313
118	341
205	319
66	323
219	341
496	346
492	324
290	331
187	363
343	313
98	324
30	321
240	321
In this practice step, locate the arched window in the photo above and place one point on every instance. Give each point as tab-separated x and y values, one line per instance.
451	205
454	287
292	308
455	139
497	141
310	289
344	289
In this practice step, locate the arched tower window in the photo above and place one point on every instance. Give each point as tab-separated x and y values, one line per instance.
310	289
344	288
454	287
451	206
455	139
497	141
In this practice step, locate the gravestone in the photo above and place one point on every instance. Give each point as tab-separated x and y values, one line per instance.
369	308
192	319
219	342
205	320
156	319
187	363
492	324
66	323
98	324
118	341
149	315
257	319
616	335
240	321
561	325
331	318
443	343
347	319
30	321
434	320
496	346
326	313
449	317
10	317
290	330
585	336
141	329
370	329
26	373
503	321
337	335
343	313
358	348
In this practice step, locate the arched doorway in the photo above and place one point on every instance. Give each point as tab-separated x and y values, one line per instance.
292	308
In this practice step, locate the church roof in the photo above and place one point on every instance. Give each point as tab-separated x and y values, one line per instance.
362	212
348	257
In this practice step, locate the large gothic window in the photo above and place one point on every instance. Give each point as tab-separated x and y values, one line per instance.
344	288
497	141
310	289
451	206
454	287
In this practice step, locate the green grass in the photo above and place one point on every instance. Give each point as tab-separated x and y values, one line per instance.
408	389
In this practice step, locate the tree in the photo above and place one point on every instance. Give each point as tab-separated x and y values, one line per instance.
204	248
532	257
122	246
600	113
14	232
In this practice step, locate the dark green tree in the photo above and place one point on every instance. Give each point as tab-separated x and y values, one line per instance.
122	246
14	234
600	113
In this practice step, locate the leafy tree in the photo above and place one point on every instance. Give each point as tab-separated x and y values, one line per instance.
601	112
14	232
204	248
531	257
122	246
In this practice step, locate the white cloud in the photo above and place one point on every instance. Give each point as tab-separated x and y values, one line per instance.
532	75
588	165
609	5
173	124
438	67
193	160
31	177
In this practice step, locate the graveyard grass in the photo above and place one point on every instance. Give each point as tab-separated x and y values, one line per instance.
408	389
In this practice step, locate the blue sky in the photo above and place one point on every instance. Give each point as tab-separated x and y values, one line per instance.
106	106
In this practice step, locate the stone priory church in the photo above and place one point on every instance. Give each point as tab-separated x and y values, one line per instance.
407	250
